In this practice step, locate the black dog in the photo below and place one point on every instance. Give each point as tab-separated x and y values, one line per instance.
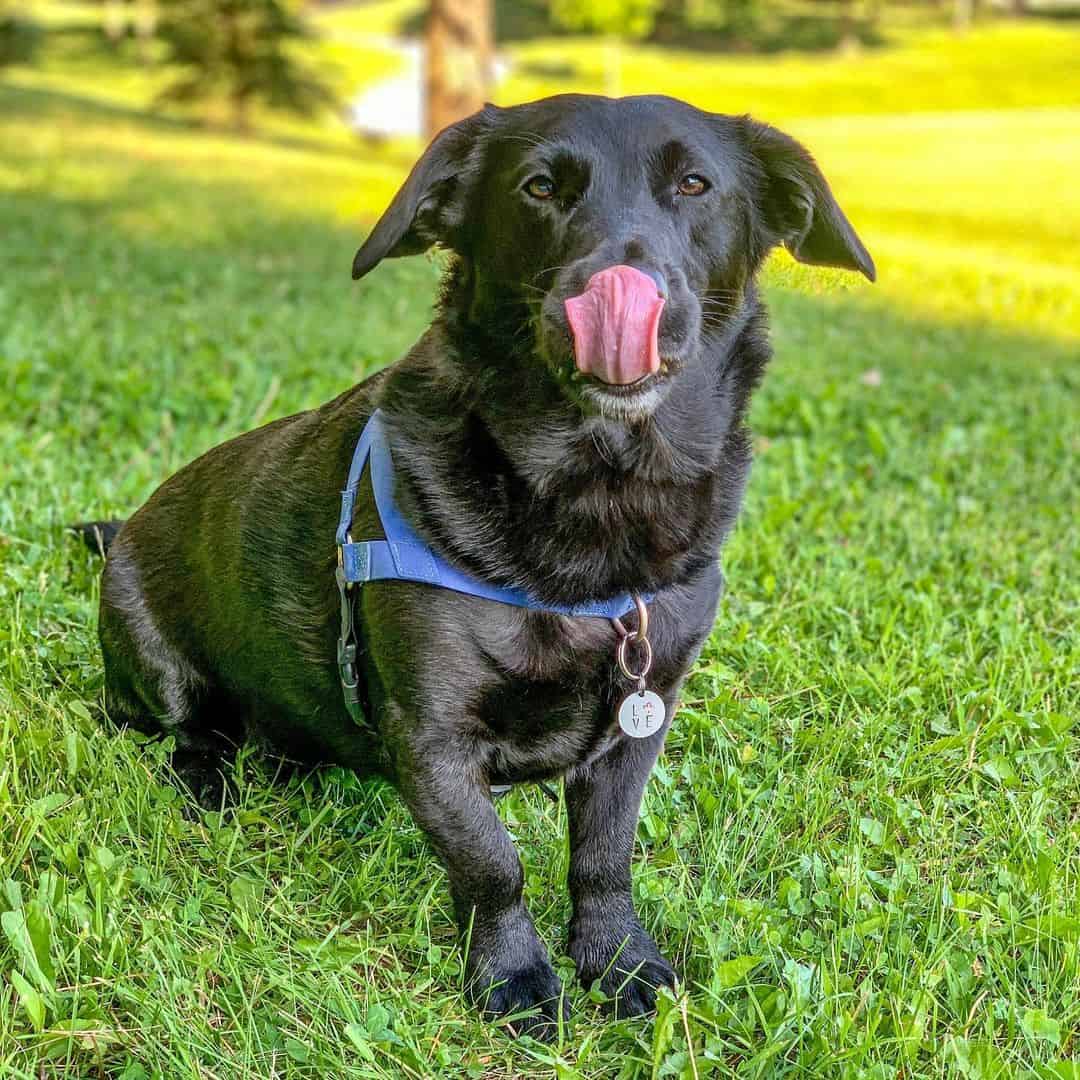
571	425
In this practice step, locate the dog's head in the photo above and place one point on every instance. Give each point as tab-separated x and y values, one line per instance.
612	237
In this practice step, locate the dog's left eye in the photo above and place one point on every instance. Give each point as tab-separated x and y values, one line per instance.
540	187
693	184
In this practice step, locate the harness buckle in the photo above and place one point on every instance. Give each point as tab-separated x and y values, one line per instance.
341	562
346	658
346	649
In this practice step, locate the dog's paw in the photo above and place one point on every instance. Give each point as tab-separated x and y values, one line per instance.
633	993
624	962
533	990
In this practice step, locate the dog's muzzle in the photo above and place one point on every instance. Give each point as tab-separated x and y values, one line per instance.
615	323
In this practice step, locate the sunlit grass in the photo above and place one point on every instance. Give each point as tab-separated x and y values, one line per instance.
970	217
994	66
373	18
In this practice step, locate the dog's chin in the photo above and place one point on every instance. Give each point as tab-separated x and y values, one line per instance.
624	403
634	401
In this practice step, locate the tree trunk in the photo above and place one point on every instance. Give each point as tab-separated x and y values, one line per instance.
145	28
240	109
459	57
849	31
962	13
612	66
114	20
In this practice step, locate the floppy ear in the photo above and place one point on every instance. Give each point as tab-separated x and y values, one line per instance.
423	212
800	208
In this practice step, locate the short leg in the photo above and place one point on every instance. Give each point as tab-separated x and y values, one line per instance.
507	966
200	759
606	940
151	687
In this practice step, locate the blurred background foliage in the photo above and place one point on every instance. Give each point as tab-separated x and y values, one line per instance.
221	57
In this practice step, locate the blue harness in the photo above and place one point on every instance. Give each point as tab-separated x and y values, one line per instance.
404	556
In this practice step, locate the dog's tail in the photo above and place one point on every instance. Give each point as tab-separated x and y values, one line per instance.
97	535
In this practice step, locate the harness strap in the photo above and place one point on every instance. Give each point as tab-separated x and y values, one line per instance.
346	653
404	556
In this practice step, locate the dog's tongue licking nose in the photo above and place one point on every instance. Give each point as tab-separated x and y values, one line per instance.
614	323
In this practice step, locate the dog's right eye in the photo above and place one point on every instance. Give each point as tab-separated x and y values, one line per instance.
540	187
693	184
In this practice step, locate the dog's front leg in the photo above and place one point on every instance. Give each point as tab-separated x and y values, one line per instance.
606	940
507	966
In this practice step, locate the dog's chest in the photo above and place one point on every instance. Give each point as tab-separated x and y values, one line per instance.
553	689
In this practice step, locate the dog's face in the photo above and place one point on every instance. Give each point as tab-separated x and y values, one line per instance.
613	236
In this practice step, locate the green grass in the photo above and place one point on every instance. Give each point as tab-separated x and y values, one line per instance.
995	65
862	847
383	18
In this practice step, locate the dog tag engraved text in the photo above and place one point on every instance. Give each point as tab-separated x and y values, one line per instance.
641	714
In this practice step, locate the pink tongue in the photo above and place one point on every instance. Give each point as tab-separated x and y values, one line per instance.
614	323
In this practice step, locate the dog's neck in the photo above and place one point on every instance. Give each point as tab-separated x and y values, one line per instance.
509	479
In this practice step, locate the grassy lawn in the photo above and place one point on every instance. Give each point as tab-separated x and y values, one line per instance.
993	66
862	847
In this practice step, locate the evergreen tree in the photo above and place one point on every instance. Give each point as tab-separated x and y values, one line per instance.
19	36
238	50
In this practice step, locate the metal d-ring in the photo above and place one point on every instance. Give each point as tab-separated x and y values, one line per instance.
640	634
643	619
341	555
620	656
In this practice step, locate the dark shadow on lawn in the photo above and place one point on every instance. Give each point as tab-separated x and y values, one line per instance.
44	104
797	32
525	20
1065	14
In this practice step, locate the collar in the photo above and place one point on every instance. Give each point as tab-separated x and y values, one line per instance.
404	556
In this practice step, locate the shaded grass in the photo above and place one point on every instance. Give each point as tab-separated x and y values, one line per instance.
862	847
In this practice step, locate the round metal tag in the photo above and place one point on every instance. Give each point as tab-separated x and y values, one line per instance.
641	714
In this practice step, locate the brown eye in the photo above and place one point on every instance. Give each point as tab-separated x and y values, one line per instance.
692	184
540	187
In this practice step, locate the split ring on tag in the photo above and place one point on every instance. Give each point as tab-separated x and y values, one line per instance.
620	656
642	712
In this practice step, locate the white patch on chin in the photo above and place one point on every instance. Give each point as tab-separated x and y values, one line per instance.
614	406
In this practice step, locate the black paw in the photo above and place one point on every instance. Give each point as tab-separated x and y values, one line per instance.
206	771
626	964
203	777
534	990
